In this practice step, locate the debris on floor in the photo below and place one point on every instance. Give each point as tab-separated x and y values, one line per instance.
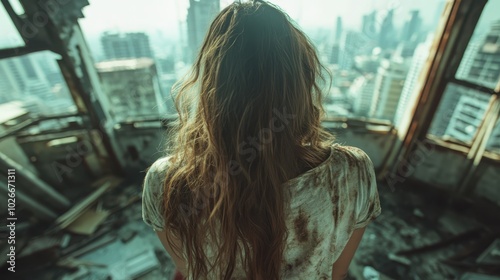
87	222
431	238
101	237
104	237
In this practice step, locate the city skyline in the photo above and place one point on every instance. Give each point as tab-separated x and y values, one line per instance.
377	60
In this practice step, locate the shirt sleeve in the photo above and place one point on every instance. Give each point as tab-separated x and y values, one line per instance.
367	202
152	195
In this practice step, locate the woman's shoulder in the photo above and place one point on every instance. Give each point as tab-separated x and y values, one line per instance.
160	165
351	156
155	174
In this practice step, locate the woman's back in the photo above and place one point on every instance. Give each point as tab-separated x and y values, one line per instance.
325	205
249	122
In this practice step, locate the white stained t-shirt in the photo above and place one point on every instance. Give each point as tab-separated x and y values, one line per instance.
327	203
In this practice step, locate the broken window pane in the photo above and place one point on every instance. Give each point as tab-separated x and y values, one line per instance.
34	82
459	114
481	61
9	36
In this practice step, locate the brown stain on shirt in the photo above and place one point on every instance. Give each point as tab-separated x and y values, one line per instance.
337	212
307	257
300	225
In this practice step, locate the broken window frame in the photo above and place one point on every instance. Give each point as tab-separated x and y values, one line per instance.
61	34
458	23
490	116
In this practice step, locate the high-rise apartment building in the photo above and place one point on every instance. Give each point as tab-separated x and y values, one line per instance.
387	30
369	25
411	29
485	68
16	73
361	94
24	79
409	94
199	17
128	45
389	83
132	89
336	50
467	116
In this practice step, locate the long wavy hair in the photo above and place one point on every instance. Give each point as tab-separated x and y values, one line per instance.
249	120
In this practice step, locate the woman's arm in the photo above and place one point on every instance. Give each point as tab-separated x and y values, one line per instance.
341	266
179	262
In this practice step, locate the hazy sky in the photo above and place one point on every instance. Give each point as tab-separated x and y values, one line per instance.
164	15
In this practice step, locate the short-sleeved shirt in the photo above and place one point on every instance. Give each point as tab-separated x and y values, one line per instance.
327	203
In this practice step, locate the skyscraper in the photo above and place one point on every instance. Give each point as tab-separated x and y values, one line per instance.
367	63
22	78
411	35
411	29
467	115
353	44
389	84
11	87
132	89
128	45
369	27
468	58
199	17
336	50
387	30
361	94
17	72
485	69
408	94
336	53
338	29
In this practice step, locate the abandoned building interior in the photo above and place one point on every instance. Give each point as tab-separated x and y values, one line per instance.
80	125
